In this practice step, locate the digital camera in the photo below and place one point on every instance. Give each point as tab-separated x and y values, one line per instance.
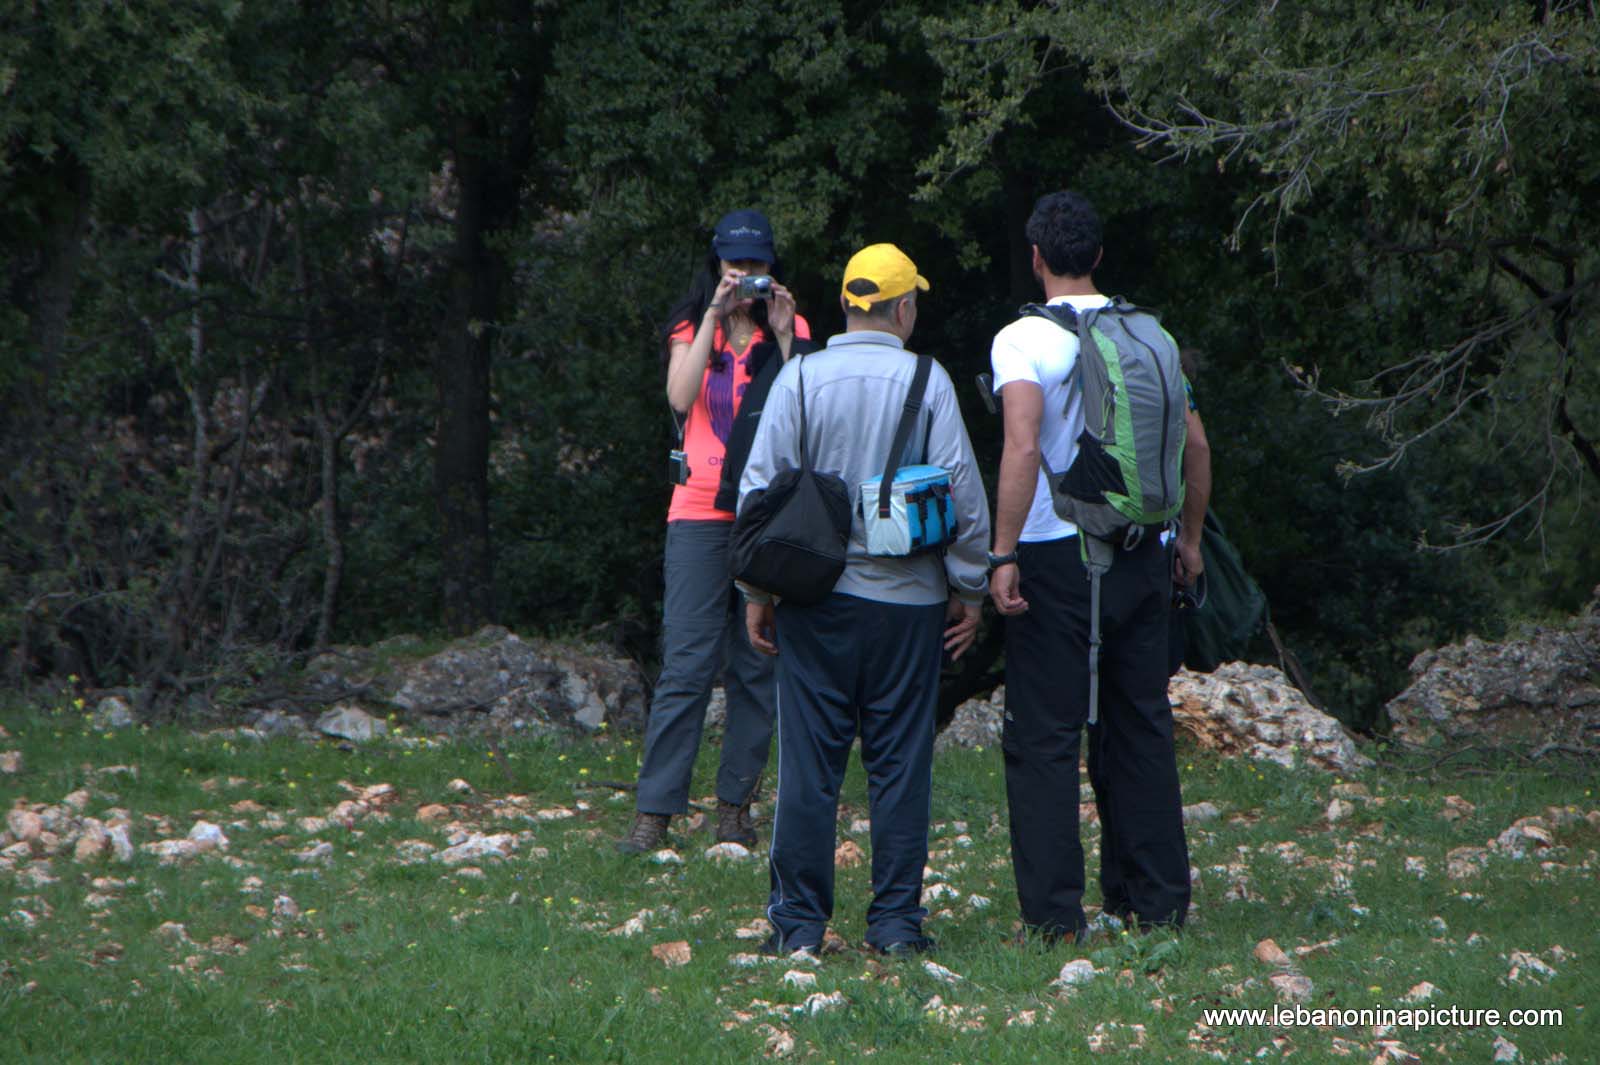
754	287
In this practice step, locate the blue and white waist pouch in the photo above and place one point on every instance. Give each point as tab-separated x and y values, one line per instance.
920	515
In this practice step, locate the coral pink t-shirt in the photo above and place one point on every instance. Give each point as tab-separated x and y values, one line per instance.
705	436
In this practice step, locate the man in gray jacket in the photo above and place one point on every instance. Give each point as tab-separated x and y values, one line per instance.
865	660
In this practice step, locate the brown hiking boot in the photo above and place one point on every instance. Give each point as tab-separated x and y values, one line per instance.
733	824
649	833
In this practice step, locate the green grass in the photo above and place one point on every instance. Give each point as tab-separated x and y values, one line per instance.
413	962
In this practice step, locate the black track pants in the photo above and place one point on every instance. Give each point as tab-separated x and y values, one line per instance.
1132	765
848	667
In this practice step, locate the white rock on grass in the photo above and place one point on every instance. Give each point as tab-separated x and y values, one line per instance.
819	1003
1530	833
477	847
320	852
1505	1050
1199	813
37	875
667	856
978	902
352	723
25	826
10	762
174	933
1111	1036
1268	952
1075	972
1291	987
780	1044
759	928
113	712
940	973
121	845
633	925
935	892
92	841
797	978
171	851
1525	967
285	908
207	837
729	852
1421	993
1465	862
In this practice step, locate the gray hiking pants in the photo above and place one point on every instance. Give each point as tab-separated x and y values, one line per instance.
702	635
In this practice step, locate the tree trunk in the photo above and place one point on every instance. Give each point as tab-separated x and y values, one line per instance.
493	154
181	587
461	449
48	297
42	290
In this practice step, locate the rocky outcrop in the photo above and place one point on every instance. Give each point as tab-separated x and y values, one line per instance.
1253	710
1543	688
977	723
1239	709
491	682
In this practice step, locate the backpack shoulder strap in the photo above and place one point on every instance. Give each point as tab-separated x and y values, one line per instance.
1063	314
902	431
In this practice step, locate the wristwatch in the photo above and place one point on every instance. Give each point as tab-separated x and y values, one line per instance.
996	561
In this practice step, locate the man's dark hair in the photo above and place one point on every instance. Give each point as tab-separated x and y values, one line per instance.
1067	231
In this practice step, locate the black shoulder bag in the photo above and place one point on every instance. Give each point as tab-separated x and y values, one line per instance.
789	539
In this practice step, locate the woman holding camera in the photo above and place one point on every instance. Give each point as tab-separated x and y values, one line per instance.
725	341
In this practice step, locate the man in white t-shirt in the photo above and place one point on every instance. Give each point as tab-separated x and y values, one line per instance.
1038	580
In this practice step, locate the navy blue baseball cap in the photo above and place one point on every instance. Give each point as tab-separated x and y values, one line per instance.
744	234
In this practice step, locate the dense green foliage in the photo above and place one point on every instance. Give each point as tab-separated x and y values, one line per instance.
326	322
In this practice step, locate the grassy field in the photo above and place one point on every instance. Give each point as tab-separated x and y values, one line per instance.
344	938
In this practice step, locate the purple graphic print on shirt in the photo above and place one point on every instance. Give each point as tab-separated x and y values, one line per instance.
719	395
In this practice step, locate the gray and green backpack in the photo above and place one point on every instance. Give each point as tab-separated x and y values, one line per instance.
1127	477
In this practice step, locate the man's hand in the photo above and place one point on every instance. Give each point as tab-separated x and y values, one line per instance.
1005	589
1187	563
760	626
964	626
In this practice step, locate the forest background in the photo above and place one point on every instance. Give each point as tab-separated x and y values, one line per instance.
324	322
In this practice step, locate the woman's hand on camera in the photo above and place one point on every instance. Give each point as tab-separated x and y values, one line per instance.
724	294
780	313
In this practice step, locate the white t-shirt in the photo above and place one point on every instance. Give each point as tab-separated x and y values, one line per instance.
1038	350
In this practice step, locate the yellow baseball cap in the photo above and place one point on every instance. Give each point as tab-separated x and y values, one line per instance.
879	272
